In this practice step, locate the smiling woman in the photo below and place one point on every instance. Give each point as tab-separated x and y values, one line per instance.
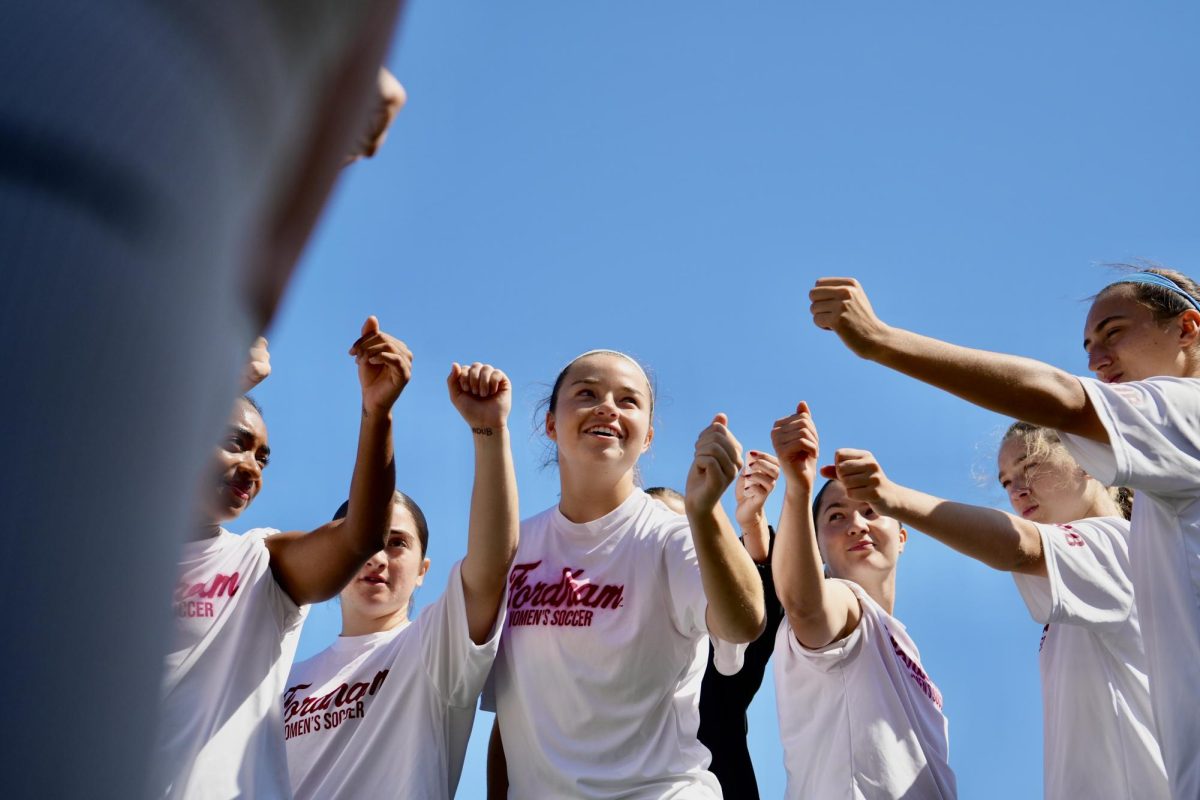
239	600
611	597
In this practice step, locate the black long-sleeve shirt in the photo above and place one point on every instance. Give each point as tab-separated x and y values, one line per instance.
725	698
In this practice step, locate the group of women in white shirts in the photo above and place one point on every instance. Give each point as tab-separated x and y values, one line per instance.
587	627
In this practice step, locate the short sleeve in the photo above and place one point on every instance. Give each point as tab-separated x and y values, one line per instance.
728	658
1087	583
1153	429
289	616
833	655
456	665
688	602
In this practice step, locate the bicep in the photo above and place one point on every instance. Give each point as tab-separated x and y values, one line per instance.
833	619
1081	417
313	566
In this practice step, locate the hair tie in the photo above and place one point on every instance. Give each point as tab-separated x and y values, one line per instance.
1154	279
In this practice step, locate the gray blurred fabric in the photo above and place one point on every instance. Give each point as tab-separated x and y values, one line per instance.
140	145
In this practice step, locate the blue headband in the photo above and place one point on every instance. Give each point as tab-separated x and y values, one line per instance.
1154	279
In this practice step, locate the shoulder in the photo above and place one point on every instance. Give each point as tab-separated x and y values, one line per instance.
260	534
1159	390
1093	531
538	522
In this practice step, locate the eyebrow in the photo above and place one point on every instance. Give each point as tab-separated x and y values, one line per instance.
594	380
1100	326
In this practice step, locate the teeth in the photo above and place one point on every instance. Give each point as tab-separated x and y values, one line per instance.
603	431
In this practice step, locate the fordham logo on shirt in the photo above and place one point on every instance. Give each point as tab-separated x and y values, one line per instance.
918	675
1073	538
196	599
303	715
570	602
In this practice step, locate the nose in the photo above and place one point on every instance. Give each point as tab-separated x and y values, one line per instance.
248	464
1017	490
1098	359
606	407
859	524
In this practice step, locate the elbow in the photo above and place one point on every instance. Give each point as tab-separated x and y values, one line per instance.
1068	408
748	628
743	624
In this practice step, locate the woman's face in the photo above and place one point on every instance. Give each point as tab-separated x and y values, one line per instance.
1124	342
386	583
236	471
601	418
856	543
1050	489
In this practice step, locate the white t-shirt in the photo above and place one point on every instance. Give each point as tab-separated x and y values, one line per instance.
389	714
1154	433
1099	739
236	631
597	683
859	719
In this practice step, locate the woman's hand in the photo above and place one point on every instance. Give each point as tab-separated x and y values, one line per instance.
797	445
840	305
384	367
753	486
482	394
715	465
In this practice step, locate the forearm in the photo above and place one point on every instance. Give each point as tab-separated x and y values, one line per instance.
1017	387
796	565
820	611
756	537
1002	541
372	486
315	566
731	584
493	529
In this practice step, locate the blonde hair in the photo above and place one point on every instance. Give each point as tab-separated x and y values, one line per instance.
1044	444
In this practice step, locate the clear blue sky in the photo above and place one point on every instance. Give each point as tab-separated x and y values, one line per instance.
669	179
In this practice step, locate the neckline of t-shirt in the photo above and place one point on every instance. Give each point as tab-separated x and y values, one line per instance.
863	595
196	549
603	525
366	640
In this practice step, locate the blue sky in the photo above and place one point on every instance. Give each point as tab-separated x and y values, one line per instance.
669	179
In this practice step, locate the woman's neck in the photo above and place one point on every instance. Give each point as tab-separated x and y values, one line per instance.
205	530
357	624
588	497
881	588
1100	502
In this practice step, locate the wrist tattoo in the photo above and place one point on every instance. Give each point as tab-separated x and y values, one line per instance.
482	431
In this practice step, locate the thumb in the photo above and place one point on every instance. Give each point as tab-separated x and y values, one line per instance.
829	471
720	419
802	407
455	371
370	326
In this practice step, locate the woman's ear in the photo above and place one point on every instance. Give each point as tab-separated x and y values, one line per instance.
649	438
550	430
1189	328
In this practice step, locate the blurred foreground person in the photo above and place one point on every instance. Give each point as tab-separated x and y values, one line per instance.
161	165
